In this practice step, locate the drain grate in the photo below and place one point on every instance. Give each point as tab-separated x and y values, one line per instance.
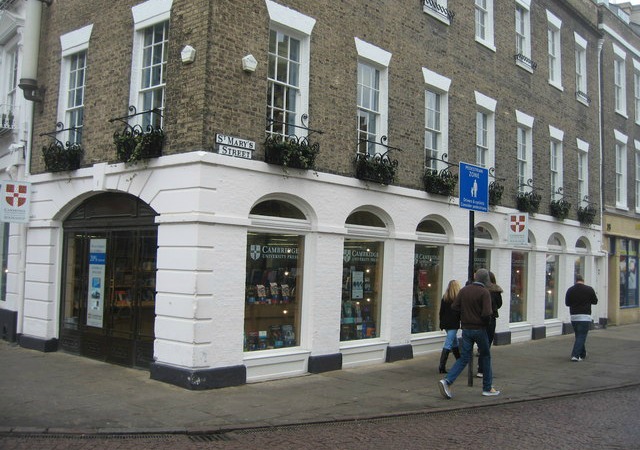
209	437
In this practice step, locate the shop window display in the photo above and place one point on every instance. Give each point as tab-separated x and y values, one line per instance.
272	295
551	287
481	259
518	287
580	261
628	266
427	287
361	289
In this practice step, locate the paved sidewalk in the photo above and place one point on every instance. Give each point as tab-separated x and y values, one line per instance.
62	393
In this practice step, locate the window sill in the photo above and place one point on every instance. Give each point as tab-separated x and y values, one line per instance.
489	44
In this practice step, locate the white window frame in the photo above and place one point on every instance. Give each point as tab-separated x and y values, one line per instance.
581	69
438	85
554	47
583	172
485	23
145	15
621	169
379	59
619	80
72	44
486	106
523	34
556	158
438	9
299	26
524	150
637	175
636	91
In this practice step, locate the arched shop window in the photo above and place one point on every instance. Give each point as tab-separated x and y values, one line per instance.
580	260
362	276
427	276
519	283
482	256
273	292
552	276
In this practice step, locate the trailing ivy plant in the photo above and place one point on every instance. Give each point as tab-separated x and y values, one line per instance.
292	152
586	214
559	208
528	202
495	193
440	182
133	144
58	157
378	168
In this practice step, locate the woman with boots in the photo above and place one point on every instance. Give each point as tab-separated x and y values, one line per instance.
496	304
450	322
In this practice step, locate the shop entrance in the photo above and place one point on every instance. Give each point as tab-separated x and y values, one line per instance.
109	278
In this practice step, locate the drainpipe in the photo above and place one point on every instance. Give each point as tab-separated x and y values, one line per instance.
30	42
604	264
600	128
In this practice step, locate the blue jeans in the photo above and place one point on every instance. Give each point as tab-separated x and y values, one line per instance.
469	337
580	329
451	341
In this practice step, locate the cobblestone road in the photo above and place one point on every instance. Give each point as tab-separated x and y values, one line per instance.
598	420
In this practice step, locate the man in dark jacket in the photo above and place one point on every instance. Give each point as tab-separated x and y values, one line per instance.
474	303
579	299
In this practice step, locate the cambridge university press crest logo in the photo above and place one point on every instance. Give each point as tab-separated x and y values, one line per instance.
255	252
346	255
15	195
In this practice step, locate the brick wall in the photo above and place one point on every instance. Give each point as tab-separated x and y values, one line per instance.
214	95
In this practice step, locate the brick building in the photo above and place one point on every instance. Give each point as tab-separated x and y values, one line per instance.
265	188
620	165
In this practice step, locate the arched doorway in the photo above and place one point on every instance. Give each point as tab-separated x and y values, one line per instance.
109	279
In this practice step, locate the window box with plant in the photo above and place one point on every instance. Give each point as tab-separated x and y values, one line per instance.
495	193
291	151
378	168
559	208
441	182
528	202
134	142
60	158
586	214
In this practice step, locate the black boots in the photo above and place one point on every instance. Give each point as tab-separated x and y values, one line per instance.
456	352
443	360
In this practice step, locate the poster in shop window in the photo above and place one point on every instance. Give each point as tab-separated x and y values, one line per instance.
95	300
357	285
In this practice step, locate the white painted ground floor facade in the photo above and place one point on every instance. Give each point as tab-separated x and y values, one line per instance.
347	243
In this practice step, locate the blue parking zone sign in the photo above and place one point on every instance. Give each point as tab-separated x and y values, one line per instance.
474	187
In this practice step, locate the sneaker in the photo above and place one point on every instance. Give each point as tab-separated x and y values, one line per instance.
575	358
479	374
491	393
444	389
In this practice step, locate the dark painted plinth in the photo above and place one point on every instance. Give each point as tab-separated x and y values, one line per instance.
199	380
399	352
325	363
538	333
502	338
8	325
34	343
